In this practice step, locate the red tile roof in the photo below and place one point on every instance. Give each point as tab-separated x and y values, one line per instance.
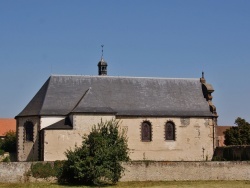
220	134
7	124
221	129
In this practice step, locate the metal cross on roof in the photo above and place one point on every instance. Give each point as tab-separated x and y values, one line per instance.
102	49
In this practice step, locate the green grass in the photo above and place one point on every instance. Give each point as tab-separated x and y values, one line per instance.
149	184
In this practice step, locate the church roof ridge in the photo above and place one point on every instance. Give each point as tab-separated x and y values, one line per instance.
126	77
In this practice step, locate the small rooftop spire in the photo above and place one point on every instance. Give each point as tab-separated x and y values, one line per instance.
102	65
202	79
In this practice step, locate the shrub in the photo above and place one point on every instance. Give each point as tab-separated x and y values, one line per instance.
41	170
98	159
45	170
1	143
9	142
6	159
238	135
1	152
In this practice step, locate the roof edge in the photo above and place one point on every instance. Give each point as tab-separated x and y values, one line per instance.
49	79
97	76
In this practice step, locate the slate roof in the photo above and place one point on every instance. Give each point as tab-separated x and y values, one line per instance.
124	96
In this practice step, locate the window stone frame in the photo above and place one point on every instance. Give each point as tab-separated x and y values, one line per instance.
170	132
28	131
146	131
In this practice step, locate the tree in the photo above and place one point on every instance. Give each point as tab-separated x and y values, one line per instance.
99	158
9	142
238	135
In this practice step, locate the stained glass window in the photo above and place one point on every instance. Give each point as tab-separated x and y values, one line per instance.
29	129
169	131
146	131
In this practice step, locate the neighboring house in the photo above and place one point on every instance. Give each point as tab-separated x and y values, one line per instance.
7	124
220	134
165	119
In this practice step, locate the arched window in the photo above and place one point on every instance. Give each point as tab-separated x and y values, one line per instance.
146	131
169	131
29	129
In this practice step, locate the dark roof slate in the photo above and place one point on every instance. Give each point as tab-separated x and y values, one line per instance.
36	104
125	96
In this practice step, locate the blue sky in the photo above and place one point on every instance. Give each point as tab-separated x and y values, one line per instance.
146	38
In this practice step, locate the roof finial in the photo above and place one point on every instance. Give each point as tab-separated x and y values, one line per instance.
102	65
102	49
202	79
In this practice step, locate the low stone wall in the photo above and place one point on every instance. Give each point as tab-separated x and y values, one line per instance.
181	171
14	171
151	171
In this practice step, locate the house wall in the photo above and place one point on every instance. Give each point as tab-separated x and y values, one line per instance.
26	150
194	138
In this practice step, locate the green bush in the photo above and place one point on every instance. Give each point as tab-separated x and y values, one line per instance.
58	165
6	159
45	170
1	143
238	135
9	142
98	159
40	170
1	152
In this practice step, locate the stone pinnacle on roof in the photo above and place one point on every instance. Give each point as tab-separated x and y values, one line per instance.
102	65
202	79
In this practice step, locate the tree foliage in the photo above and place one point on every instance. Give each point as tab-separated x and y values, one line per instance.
9	142
99	158
238	135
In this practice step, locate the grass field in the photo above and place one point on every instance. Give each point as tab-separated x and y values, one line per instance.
171	184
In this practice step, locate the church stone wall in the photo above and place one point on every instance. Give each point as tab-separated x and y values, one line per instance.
56	142
194	139
85	122
27	150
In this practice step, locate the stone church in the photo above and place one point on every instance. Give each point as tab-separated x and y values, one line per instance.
165	119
